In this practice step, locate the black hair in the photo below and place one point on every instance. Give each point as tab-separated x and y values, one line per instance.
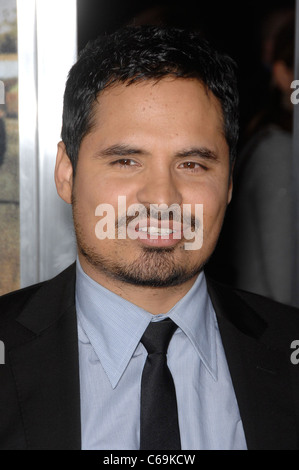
136	53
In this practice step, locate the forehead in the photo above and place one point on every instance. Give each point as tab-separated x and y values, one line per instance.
161	118
152	97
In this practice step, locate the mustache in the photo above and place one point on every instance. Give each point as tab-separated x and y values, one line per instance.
187	220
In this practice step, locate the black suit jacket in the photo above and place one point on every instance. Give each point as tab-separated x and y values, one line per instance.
39	382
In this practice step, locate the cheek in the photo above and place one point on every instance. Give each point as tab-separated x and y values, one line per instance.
90	191
92	194
214	200
213	196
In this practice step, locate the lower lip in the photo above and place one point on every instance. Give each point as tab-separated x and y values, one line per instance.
158	240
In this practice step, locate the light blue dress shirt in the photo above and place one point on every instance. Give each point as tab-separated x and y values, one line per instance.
111	360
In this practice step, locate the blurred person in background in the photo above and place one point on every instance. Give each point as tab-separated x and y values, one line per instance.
261	220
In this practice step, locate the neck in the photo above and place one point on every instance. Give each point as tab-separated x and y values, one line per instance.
155	300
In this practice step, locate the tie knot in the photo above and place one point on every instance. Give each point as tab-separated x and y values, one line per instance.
157	336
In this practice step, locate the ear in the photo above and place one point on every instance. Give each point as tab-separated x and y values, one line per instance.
282	76
63	174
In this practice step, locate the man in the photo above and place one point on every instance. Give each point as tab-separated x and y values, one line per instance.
150	119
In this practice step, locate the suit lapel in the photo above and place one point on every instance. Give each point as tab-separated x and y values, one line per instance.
260	374
46	368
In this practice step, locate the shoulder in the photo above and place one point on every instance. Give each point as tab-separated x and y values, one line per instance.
268	146
269	309
270	138
13	303
248	311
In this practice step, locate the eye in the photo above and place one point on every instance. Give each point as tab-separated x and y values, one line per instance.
124	162
192	166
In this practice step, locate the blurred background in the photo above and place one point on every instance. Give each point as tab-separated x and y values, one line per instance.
243	30
9	150
38	43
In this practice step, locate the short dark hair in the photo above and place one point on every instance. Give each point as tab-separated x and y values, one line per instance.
138	53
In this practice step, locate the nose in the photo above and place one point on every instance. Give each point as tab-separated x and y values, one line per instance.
159	187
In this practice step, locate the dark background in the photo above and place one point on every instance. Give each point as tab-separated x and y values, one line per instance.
234	28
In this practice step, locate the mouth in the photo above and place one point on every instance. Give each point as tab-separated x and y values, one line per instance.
156	233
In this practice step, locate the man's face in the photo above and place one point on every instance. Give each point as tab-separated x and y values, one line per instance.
154	143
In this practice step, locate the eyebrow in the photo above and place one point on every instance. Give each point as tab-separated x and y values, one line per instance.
122	150
202	152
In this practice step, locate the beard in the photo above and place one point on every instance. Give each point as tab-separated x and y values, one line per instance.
154	267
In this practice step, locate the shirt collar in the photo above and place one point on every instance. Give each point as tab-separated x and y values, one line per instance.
114	326
195	316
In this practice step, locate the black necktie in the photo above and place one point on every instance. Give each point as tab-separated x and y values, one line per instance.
159	427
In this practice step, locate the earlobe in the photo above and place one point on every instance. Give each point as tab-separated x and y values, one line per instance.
63	174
